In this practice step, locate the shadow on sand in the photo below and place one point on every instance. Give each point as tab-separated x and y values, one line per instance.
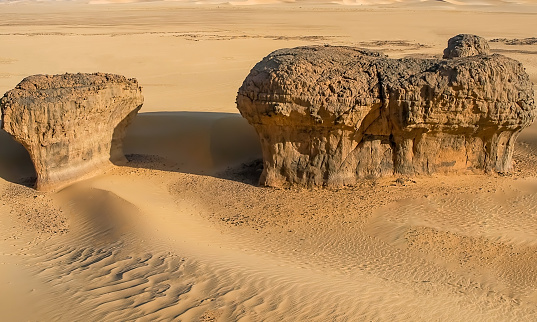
222	145
15	163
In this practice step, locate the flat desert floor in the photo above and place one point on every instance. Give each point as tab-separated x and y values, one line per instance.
183	231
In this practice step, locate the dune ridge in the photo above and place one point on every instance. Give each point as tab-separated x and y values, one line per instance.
445	4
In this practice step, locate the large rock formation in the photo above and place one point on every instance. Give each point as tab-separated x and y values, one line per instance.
333	115
73	124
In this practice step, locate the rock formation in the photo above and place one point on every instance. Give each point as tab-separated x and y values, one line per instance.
72	125
333	115
465	45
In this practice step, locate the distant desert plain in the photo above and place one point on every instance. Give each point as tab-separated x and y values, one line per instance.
184	232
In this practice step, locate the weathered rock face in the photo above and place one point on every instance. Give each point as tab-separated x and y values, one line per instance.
465	45
333	115
73	124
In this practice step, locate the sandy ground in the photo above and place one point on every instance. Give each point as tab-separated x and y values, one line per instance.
183	232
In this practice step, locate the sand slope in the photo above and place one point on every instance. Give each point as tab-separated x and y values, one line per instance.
164	245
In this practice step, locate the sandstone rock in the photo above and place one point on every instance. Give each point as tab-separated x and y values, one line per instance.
333	115
72	125
465	45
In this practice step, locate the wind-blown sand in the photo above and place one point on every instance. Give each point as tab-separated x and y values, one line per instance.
183	232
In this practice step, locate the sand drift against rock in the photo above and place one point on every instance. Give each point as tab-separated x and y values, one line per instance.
333	115
73	124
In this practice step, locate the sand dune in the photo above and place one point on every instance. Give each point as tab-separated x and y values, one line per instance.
147	243
183	232
421	3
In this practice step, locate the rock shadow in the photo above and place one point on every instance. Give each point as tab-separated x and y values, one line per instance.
221	145
16	166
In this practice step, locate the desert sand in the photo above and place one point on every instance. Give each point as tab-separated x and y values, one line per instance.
183	231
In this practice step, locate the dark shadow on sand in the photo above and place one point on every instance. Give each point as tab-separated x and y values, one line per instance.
15	163
221	145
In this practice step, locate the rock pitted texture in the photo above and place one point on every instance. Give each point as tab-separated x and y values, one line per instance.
465	45
334	115
73	124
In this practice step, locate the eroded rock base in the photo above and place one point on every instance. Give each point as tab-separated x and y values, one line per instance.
335	158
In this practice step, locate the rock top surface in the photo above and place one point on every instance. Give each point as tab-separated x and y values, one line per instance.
333	115
465	45
72	124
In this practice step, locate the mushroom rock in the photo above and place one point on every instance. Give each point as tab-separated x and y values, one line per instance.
72	124
334	115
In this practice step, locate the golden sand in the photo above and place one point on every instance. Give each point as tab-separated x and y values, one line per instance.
184	233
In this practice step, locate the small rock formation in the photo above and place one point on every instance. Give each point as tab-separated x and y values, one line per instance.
333	115
465	45
73	124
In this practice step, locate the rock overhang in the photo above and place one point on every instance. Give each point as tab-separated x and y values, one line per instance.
71	124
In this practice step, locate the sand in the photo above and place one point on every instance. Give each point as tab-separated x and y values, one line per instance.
183	232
